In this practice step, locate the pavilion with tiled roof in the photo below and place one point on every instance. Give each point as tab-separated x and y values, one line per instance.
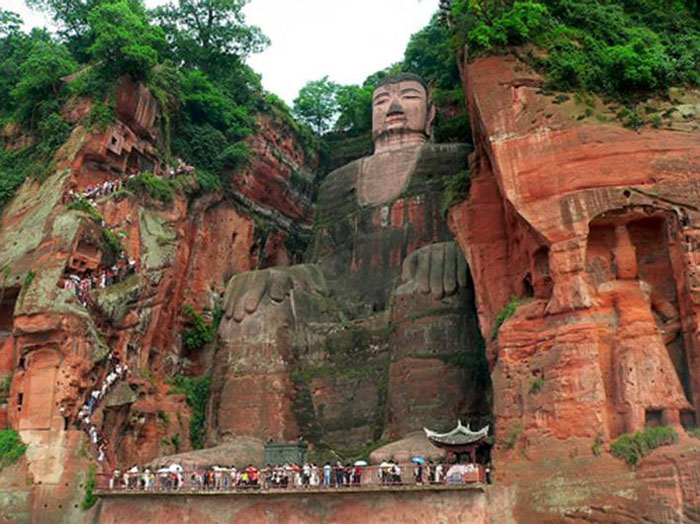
461	440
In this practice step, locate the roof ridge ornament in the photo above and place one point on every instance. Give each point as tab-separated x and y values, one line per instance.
460	435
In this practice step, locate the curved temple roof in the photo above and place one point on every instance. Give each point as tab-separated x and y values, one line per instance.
460	435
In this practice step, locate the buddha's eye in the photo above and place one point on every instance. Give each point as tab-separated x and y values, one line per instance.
381	101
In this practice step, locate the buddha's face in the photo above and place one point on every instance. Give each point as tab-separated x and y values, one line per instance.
400	109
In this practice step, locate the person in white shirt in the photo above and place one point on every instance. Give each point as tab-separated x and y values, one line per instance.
327	474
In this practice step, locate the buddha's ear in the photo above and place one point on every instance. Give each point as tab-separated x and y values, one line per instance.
429	120
431	110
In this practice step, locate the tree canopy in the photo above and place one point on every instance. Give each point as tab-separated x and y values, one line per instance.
124	42
316	104
204	31
616	47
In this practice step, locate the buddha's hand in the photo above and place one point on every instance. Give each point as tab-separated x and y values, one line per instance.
248	291
438	269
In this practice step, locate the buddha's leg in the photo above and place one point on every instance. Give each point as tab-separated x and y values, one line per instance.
251	388
438	370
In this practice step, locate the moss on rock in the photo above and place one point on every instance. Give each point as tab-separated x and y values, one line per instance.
115	301
158	240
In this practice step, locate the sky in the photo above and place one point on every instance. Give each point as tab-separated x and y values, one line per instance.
347	40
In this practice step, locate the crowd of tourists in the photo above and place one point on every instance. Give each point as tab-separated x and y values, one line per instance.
91	193
82	283
291	476
116	372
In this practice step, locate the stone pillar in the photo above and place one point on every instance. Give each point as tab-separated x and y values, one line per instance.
671	417
625	254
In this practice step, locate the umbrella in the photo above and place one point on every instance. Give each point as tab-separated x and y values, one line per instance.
360	463
418	460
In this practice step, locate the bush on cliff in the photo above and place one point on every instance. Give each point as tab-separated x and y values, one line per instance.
631	447
82	204
199	332
615	47
153	186
11	447
196	390
508	311
89	499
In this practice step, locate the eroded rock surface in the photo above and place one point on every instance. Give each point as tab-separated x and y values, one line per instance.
55	348
595	226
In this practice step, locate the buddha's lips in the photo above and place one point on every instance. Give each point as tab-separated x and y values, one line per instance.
396	119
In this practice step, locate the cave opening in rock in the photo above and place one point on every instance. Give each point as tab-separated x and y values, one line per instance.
653	418
8	299
688	420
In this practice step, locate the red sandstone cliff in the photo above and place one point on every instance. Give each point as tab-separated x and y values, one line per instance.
55	349
596	226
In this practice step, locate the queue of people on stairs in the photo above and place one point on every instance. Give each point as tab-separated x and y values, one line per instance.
96	395
82	283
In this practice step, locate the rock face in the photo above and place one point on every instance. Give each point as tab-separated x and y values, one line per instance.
55	349
597	226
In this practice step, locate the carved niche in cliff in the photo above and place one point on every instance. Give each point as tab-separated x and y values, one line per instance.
35	389
632	262
376	334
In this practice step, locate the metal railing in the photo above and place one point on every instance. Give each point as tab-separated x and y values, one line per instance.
283	479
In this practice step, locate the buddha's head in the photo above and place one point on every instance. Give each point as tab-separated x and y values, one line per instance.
401	112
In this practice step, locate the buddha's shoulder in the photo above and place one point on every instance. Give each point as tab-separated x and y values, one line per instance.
341	181
443	158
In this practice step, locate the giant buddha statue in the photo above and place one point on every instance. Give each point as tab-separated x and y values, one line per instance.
376	336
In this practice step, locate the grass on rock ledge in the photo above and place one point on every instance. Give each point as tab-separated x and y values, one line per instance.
631	447
508	311
11	448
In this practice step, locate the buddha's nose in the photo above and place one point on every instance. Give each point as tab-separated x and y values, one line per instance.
395	109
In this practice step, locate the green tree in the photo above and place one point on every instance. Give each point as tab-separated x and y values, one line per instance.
202	31
430	54
124	41
36	93
317	104
354	105
616	47
71	15
73	19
